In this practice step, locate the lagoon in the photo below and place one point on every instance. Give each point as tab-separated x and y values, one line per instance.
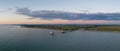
15	38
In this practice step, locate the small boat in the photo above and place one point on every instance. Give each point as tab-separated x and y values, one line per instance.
63	31
51	32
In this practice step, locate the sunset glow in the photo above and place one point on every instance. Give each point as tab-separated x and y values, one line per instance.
22	13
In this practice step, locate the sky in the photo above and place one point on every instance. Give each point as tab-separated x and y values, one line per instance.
59	12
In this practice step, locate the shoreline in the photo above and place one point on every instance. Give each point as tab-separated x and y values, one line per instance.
105	28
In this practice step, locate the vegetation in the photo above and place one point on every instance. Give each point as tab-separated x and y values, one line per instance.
108	28
73	27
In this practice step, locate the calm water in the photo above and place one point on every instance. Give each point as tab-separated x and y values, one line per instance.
14	38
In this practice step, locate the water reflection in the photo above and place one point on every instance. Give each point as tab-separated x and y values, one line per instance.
30	39
52	34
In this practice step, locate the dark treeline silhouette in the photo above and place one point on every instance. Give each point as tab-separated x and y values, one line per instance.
72	27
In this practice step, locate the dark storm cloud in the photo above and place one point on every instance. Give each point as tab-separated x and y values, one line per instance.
53	14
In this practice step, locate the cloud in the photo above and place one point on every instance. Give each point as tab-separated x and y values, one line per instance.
54	14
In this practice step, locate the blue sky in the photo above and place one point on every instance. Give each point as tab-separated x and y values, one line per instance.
67	5
103	11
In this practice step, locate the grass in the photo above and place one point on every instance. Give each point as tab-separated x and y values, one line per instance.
108	28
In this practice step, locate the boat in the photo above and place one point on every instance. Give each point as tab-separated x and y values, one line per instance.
63	31
51	32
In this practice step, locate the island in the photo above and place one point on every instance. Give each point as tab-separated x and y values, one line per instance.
73	27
